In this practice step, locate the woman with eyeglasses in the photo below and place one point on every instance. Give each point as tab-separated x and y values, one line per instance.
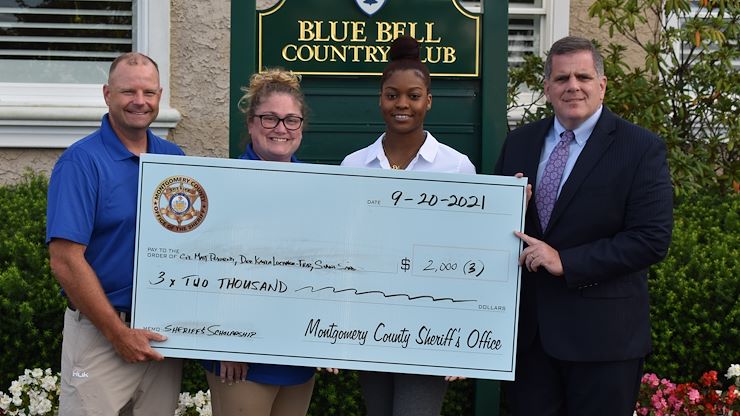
275	109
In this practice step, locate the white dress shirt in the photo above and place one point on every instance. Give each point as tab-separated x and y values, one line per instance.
582	133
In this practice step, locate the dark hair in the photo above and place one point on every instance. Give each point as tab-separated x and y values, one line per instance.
572	44
132	58
404	55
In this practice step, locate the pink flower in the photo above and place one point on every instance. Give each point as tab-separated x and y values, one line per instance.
694	395
650	379
658	402
661	397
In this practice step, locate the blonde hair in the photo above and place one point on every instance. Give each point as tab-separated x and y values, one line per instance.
271	81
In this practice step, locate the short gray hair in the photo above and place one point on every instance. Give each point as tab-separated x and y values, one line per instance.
572	44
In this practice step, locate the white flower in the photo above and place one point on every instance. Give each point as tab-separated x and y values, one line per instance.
49	383
36	392
15	388
5	401
199	400
733	371
194	405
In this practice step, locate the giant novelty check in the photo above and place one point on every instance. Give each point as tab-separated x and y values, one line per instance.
329	266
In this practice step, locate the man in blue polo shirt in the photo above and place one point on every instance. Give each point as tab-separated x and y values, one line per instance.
108	368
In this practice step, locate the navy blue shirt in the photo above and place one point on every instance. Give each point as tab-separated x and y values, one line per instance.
250	154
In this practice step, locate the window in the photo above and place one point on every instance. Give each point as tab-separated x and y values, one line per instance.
533	25
48	42
54	58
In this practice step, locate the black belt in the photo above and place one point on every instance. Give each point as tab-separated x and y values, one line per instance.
125	316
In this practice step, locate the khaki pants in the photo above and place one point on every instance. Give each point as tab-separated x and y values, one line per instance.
96	381
256	399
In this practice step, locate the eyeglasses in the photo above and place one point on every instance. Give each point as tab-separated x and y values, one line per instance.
270	121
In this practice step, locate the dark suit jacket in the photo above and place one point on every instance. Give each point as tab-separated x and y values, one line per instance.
612	220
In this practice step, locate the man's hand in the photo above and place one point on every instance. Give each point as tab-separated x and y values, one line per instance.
133	345
76	276
539	254
529	187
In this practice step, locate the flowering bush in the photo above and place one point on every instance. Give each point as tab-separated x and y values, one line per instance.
36	392
196	405
661	397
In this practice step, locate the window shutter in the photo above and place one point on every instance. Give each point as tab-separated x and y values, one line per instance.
64	30
524	28
523	37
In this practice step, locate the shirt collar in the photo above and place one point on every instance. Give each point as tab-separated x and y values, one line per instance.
250	154
428	150
113	144
375	151
582	132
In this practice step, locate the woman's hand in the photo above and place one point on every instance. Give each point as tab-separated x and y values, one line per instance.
233	372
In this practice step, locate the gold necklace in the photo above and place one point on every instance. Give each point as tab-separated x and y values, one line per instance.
401	166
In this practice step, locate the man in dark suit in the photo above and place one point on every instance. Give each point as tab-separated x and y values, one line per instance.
600	215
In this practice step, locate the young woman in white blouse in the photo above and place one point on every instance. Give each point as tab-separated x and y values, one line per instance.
405	98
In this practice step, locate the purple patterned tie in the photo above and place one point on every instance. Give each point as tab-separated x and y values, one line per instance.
547	190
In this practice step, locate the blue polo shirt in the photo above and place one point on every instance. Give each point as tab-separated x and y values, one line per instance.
250	154
92	201
281	375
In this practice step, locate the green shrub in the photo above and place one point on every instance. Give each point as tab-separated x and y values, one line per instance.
31	309
688	88
695	291
460	398
337	395
193	377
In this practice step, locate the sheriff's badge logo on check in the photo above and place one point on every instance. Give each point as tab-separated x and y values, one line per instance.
180	204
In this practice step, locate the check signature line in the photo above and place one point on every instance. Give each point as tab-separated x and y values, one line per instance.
370	292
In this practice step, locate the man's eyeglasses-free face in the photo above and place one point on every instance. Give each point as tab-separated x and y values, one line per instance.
270	121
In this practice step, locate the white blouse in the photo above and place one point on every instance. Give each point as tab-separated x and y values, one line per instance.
433	156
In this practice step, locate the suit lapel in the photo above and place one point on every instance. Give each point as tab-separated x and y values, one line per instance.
532	163
536	141
599	141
